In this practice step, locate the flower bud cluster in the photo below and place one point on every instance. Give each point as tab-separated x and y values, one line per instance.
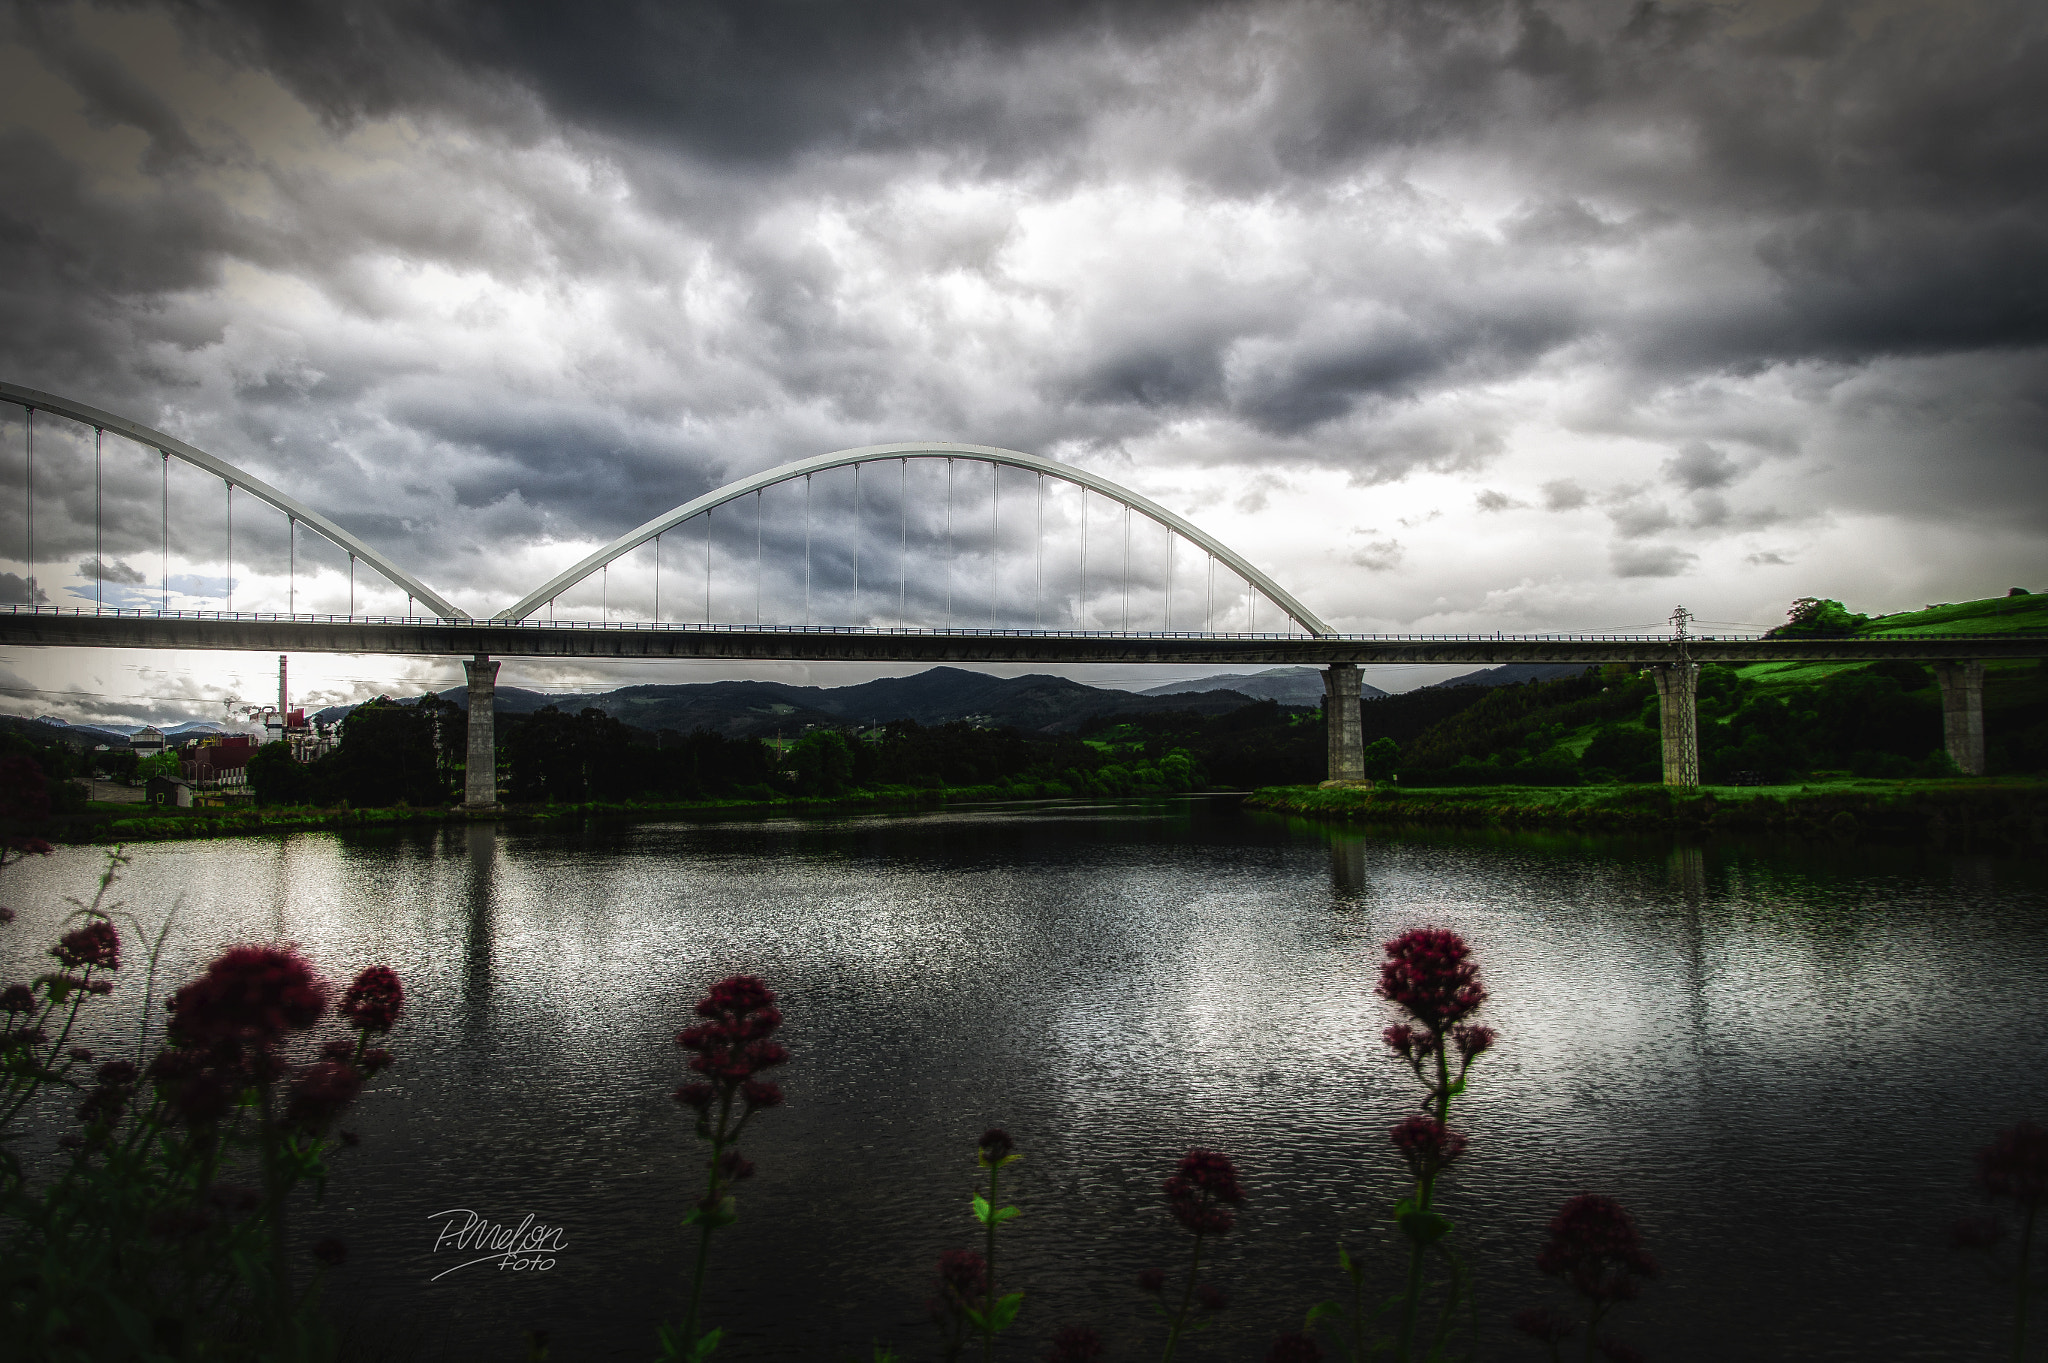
1594	1246
732	1045
1202	1191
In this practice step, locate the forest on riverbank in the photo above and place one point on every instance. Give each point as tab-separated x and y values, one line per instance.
1766	727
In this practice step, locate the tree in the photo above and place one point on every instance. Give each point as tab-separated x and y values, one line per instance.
387	756
277	777
822	761
164	764
1382	759
1817	618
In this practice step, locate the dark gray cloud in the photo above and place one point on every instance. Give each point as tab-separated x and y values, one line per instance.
526	276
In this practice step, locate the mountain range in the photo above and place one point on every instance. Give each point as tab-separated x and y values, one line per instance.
939	695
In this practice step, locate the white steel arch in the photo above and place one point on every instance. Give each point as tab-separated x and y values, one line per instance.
870	454
255	487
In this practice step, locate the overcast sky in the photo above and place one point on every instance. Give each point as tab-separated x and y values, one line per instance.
1515	316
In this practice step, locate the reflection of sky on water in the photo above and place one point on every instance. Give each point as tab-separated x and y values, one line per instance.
1700	1032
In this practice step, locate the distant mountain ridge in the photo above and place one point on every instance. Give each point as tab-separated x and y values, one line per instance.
1288	685
939	695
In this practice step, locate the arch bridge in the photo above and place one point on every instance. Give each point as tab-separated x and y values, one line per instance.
836	536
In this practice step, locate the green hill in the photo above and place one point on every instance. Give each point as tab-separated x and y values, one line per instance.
1767	722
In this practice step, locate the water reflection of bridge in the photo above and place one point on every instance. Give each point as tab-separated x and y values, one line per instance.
1077	612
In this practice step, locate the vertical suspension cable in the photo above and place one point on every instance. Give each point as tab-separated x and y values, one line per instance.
604	594
1169	580
1038	585
163	576
995	539
1082	621
99	538
1209	600
707	563
291	572
231	546
1127	567
903	548
351	586
657	577
757	557
807	551
856	544
949	543
29	479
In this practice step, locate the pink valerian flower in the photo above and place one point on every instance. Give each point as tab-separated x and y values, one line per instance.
1427	1144
1152	1281
373	1000
250	994
1075	1344
1545	1325
17	998
1472	1041
2015	1165
321	1092
1411	1044
1593	1245
331	1252
733	1167
732	1044
1295	1348
1429	972
1211	1297
1202	1190
962	1284
96	946
995	1148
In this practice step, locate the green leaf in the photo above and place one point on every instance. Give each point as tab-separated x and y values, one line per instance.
1007	1308
1322	1310
1457	1089
981	1209
1005	1214
706	1345
1344	1261
1424	1228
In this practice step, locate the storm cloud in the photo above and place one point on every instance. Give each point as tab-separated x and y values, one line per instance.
1613	287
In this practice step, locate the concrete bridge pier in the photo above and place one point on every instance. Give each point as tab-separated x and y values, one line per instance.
1678	686
1962	714
480	783
1341	718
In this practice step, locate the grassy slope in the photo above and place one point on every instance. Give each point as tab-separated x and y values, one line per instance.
1994	615
2007	814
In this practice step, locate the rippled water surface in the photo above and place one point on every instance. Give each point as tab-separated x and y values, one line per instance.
1780	1060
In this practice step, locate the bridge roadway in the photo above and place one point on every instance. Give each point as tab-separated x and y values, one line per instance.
1957	660
51	627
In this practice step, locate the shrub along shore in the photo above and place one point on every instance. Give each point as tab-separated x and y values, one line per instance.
102	823
1987	814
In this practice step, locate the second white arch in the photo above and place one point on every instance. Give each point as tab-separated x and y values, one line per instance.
870	454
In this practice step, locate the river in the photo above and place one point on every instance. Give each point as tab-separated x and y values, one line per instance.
1780	1059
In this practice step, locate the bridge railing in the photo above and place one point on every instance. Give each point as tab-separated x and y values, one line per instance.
962	631
699	627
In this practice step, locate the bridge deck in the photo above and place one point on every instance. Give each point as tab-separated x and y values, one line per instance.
53	627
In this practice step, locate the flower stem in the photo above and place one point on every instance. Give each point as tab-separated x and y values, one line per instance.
1187	1298
2019	1309
988	1315
707	1218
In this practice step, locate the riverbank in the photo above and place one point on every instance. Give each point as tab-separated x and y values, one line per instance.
2005	814
106	822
